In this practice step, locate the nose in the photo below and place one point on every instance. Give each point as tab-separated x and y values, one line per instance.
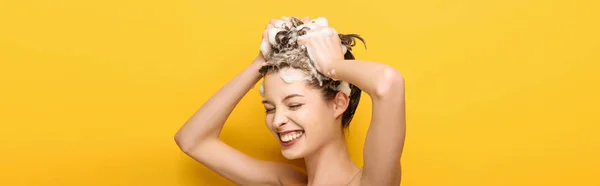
280	119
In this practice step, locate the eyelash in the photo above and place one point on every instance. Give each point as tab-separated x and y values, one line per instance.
269	110
292	107
296	106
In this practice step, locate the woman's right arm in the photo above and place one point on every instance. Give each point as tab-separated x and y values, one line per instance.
199	136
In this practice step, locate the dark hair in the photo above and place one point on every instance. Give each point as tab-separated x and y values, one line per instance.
287	53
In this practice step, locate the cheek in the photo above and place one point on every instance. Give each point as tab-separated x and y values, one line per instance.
314	117
269	121
304	114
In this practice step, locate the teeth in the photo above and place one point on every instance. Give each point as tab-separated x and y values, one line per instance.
291	136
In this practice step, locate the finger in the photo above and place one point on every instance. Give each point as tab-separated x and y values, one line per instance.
321	21
287	21
320	25
324	32
305	19
333	31
265	34
272	35
309	25
335	36
273	21
304	39
312	26
265	48
280	24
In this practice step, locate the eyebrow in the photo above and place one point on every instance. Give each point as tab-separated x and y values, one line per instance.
284	99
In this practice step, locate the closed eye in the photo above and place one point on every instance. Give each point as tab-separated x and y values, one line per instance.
269	110
295	106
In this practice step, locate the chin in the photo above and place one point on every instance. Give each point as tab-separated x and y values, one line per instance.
296	151
291	155
293	145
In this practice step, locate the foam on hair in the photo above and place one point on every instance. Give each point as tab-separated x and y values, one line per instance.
285	52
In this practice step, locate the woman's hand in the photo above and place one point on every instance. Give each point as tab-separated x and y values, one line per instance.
268	36
271	30
323	46
265	46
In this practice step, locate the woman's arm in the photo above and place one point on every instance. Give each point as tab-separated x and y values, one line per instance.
199	136
208	121
385	137
375	79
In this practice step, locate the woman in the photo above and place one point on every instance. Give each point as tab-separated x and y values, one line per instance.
311	88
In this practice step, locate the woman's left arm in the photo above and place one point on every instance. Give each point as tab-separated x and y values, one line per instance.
385	85
385	137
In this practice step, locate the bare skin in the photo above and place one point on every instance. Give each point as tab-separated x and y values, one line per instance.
330	163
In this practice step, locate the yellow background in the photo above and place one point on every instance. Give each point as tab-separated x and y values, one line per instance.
499	92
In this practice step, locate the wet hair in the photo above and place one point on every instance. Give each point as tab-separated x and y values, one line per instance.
287	53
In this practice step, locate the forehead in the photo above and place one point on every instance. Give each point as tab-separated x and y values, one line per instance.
286	81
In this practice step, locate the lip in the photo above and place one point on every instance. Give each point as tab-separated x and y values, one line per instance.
288	131
289	143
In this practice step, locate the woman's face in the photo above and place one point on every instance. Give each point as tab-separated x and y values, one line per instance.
297	114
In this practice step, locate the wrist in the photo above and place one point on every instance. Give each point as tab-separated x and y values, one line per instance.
258	62
254	68
333	69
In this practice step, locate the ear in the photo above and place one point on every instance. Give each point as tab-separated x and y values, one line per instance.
340	103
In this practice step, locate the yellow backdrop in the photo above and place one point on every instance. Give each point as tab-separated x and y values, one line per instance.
499	93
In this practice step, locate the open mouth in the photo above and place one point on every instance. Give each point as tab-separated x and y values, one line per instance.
288	139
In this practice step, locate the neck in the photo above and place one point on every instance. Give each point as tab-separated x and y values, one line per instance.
331	164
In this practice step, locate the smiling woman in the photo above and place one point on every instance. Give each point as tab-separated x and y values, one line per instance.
311	89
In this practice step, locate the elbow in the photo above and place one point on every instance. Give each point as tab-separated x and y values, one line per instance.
390	84
190	143
185	145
